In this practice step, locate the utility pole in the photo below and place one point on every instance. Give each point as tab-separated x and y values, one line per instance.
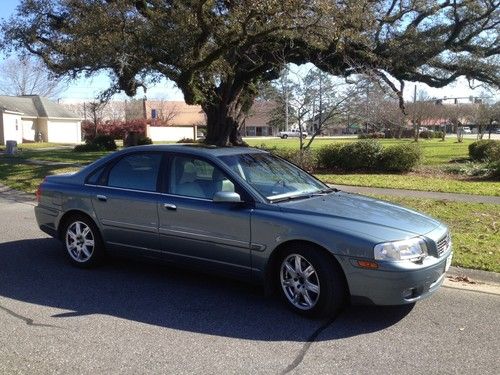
414	110
320	123
285	87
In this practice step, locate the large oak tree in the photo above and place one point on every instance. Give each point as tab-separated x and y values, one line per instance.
217	51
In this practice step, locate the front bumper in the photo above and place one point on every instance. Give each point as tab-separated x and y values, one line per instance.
396	283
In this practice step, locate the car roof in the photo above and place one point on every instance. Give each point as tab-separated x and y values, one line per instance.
196	149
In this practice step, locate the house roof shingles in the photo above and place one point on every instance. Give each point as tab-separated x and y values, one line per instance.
35	106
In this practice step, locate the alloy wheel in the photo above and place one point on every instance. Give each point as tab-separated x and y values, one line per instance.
80	241
300	282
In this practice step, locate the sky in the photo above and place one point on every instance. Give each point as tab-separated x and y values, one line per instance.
89	88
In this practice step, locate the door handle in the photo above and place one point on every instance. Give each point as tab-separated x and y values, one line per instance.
170	206
102	198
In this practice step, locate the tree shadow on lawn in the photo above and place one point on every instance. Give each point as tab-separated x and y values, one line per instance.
36	271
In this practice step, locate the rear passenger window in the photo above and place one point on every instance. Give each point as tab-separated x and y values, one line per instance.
138	172
95	177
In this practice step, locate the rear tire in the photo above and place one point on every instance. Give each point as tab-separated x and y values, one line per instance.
82	241
284	136
310	282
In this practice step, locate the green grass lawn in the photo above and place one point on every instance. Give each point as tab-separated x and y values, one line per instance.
414	182
27	177
37	145
435	151
64	155
475	229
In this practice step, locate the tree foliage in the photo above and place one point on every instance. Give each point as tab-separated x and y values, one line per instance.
217	51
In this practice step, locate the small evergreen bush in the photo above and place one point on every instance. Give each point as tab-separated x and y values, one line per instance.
400	158
485	150
144	141
328	157
99	143
361	155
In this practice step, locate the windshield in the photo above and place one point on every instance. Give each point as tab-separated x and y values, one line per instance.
273	177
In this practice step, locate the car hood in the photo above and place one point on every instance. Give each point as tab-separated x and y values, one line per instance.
363	214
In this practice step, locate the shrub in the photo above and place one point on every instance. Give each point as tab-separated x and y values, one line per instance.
426	134
144	141
495	169
438	134
408	133
86	147
371	135
363	154
186	140
400	158
105	142
328	157
99	143
114	128
307	160
484	150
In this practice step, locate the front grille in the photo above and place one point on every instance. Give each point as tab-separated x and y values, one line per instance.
443	244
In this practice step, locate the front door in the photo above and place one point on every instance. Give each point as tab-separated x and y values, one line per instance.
194	229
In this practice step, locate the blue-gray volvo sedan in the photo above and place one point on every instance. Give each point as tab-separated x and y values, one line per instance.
245	213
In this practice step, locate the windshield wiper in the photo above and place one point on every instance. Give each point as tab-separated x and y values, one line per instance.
318	193
329	190
290	198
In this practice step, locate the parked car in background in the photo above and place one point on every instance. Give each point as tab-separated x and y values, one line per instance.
466	130
245	213
292	133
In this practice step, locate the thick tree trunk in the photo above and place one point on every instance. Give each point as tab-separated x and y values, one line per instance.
225	116
224	122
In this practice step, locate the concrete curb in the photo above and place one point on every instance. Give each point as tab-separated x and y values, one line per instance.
485	277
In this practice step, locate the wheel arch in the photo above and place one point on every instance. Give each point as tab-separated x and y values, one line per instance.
71	213
269	285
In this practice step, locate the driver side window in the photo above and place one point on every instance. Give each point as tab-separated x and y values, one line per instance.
196	178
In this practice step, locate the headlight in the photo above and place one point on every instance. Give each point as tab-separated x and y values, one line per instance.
411	249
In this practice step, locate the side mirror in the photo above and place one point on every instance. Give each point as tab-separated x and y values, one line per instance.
227	196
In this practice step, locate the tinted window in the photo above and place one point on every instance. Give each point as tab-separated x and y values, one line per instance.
197	178
138	171
94	178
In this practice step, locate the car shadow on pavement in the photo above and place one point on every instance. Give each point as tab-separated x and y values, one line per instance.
37	272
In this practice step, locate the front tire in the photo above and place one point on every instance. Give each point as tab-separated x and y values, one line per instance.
82	241
310	281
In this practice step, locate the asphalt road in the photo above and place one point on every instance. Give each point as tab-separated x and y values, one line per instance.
130	317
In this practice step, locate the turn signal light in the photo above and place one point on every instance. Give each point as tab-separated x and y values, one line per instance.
38	192
367	264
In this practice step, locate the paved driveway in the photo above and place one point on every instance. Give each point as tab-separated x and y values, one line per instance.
131	317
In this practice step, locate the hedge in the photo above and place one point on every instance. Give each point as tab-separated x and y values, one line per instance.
369	155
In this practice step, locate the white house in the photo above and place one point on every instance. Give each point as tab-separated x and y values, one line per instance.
34	118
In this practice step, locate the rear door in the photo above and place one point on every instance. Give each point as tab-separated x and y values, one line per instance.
126	201
194	229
